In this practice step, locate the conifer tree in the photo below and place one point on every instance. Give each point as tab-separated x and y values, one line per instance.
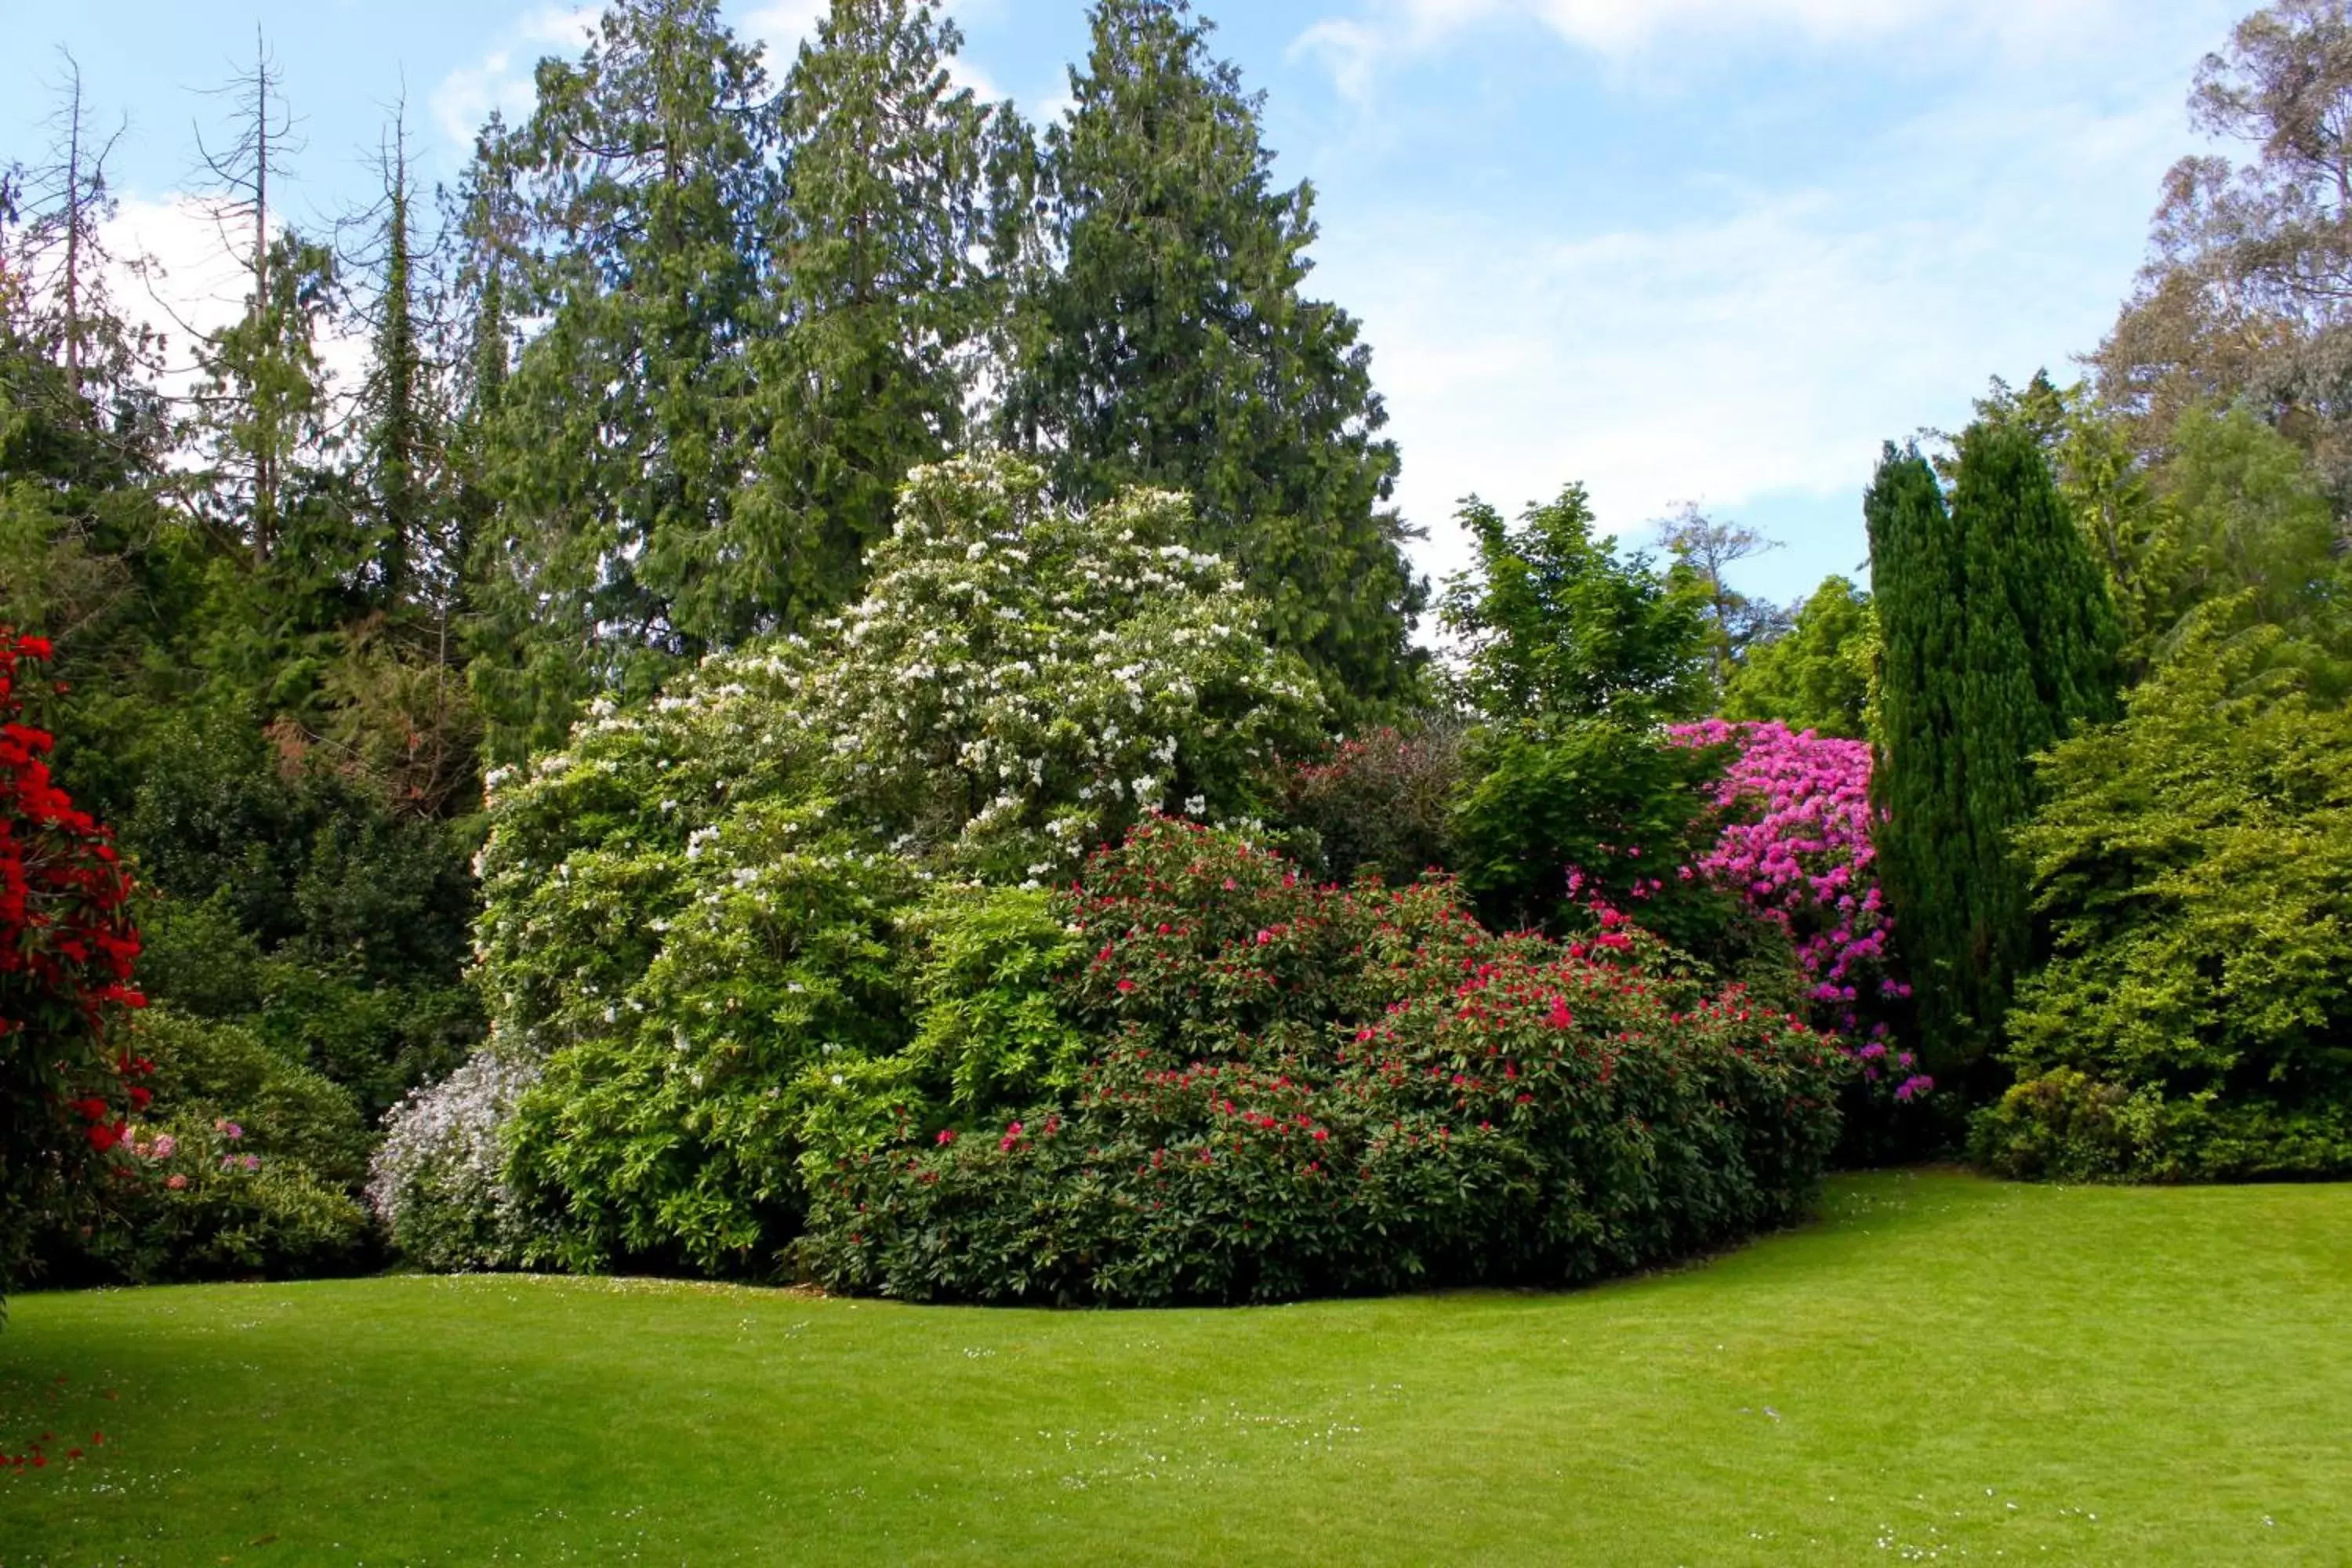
1173	346
401	432
881	293
1997	640
643	183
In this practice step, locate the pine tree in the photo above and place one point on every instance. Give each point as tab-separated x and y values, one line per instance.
1997	640
1173	347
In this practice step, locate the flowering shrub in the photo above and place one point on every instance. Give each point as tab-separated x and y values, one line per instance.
200	1203
1299	1089
1021	682
1803	857
439	1181
690	914
247	1169
67	947
1796	846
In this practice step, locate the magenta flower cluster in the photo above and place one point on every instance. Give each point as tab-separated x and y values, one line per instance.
1801	854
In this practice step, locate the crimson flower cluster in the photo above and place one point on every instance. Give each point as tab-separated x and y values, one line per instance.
66	951
1307	1088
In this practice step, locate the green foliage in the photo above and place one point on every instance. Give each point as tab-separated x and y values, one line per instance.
1553	814
1574	657
304	907
988	1026
1172	348
2230	507
207	1071
1998	639
2246	521
1551	623
1820	674
2196	862
670	1134
1365	1092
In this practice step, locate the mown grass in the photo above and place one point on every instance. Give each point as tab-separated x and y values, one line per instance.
1942	1369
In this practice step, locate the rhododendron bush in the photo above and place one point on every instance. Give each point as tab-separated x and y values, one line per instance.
1796	846
694	906
67	1090
243	1165
1301	1088
1800	854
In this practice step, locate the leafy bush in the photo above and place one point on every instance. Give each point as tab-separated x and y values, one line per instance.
671	1134
1381	802
439	1181
1571	794
2195	861
243	1168
210	1071
1299	1089
990	1030
204	1213
1818	675
1558	814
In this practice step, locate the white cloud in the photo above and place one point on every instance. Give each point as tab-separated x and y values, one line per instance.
1356	48
502	80
782	24
175	271
1763	348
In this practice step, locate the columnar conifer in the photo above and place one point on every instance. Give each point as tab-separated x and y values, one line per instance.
1998	640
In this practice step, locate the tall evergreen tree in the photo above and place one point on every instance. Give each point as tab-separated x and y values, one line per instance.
401	436
643	184
1173	346
1997	640
881	293
482	222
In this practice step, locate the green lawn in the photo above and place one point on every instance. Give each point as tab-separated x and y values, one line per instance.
1944	1368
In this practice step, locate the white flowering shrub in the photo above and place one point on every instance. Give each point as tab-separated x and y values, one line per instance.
438	1180
691	912
1021	683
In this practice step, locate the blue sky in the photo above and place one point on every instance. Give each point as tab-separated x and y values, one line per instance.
1707	250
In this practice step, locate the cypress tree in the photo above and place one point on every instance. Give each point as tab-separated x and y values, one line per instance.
1173	347
1998	639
